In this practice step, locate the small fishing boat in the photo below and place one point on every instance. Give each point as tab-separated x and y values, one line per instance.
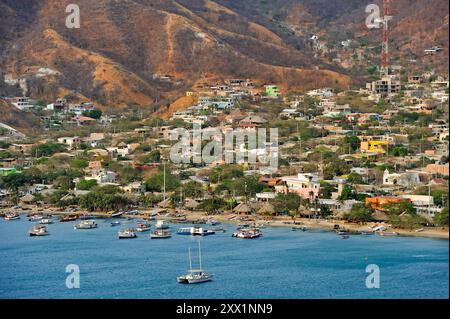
46	221
214	222
142	227
218	229
250	233
116	223
243	226
302	228
12	216
127	234
69	218
386	233
117	214
86	224
195	276
345	237
35	218
160	234
161	224
38	230
367	232
343	232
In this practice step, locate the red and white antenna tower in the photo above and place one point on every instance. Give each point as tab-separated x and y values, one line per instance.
385	43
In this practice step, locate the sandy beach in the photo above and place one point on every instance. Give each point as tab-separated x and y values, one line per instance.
174	215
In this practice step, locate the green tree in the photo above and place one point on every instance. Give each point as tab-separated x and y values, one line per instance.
84	184
360	213
287	203
156	182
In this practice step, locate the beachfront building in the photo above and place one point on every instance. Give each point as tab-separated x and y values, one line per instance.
306	185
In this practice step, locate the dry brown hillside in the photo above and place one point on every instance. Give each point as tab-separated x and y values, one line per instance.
122	47
22	121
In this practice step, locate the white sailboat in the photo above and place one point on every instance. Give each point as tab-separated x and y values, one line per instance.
195	276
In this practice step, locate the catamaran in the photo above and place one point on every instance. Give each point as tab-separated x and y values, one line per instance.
195	276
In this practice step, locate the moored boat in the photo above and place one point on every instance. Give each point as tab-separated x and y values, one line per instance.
35	218
116	223
117	214
69	218
46	221
161	224
387	233
143	227
86	224
160	234
195	276
195	231
248	233
12	216
127	234
38	230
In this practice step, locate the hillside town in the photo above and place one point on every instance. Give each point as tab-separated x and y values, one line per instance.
373	156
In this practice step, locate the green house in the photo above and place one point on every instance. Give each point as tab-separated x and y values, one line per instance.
272	91
7	171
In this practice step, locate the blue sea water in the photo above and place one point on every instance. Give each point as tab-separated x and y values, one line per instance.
281	264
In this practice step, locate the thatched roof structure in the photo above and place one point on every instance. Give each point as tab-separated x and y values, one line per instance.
266	208
165	203
243	208
191	203
28	198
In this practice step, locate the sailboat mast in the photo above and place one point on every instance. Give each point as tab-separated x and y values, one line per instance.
164	186
200	254
190	260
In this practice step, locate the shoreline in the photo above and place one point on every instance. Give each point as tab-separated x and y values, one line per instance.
279	221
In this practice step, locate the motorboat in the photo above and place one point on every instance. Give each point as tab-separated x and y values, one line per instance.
345	237
127	234
160	234
69	218
35	218
12	216
46	221
86	224
39	230
195	276
367	232
195	231
248	233
142	227
161	224
116	223
302	228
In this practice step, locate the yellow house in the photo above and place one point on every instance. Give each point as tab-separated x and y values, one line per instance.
372	146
